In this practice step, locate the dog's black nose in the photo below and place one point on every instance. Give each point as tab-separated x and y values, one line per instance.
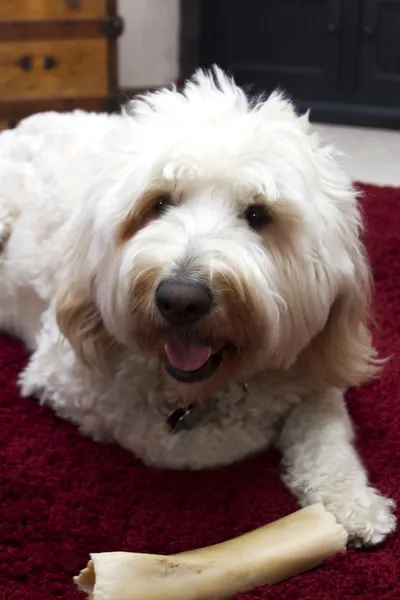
183	302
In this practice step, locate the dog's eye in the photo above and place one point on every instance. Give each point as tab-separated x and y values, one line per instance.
257	216
162	204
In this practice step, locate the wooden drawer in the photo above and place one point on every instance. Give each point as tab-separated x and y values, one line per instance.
52	9
53	68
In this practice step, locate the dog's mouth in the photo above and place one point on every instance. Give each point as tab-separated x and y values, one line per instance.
191	362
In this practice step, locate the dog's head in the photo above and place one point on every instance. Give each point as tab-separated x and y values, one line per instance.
222	240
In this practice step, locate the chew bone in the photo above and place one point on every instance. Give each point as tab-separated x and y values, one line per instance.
270	554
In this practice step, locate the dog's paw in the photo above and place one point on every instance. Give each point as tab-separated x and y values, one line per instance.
367	516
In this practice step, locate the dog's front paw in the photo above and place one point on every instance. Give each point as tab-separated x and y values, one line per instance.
367	516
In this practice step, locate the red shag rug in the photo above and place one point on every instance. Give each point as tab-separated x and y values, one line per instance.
63	496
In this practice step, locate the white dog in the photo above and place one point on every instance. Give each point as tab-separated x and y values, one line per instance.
197	255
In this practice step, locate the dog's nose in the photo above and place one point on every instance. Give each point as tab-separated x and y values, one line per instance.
183	302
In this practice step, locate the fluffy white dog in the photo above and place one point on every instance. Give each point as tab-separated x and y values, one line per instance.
197	255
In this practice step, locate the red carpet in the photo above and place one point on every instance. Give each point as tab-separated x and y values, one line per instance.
63	496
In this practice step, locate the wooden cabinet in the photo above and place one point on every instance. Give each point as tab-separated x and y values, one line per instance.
52	9
293	41
53	69
57	55
379	70
340	58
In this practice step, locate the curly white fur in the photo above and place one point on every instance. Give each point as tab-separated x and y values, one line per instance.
82	253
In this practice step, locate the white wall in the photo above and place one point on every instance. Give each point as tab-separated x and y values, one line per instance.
148	49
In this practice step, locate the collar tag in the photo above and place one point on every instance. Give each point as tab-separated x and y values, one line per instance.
184	418
188	418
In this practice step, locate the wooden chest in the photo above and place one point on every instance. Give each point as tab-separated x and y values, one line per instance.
57	55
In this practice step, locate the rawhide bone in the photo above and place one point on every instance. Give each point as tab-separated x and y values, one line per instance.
266	555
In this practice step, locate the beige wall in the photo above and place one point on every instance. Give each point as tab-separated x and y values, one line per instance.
148	49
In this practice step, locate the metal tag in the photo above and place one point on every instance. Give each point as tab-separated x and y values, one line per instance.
184	418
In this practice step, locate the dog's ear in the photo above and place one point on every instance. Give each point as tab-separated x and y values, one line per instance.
80	322
77	314
342	354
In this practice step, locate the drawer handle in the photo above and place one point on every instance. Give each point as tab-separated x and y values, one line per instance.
112	26
49	63
25	62
74	3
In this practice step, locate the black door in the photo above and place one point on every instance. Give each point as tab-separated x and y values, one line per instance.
379	66
293	44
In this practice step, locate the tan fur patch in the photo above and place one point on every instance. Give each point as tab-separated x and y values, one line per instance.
342	354
237	319
285	226
80	322
142	213
144	290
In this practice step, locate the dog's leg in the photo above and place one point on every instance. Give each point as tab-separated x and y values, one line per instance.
321	465
7	306
58	379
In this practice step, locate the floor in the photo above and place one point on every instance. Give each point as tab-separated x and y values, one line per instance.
371	155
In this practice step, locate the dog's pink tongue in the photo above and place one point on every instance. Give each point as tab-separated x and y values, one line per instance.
186	356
